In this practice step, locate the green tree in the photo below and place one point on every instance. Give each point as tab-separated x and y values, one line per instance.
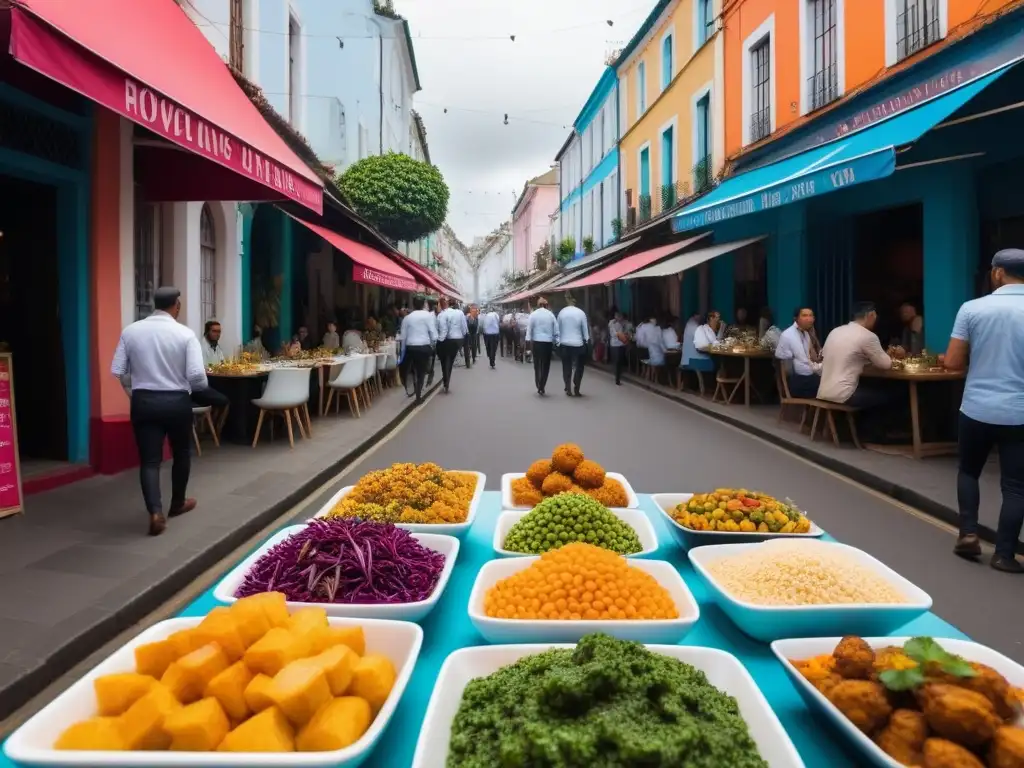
404	198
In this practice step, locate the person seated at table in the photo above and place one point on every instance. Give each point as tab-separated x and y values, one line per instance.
352	341
655	352
741	326
912	338
645	333
766	322
331	339
255	346
669	337
304	339
704	338
800	364
213	352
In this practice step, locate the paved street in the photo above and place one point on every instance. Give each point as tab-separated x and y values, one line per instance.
493	421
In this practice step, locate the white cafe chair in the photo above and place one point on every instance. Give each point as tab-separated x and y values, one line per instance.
286	394
347	377
382	361
391	367
202	414
369	371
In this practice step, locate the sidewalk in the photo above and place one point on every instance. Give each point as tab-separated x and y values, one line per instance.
928	484
78	568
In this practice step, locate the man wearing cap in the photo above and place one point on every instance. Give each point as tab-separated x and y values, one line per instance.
160	362
542	334
988	341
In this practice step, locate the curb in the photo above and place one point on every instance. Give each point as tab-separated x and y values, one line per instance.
20	690
875	482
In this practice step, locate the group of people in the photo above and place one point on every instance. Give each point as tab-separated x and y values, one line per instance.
438	331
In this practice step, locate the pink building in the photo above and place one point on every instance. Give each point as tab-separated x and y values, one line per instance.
531	219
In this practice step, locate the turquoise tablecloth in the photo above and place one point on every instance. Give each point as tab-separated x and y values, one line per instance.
448	628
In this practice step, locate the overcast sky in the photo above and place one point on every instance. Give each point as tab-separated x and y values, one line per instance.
469	65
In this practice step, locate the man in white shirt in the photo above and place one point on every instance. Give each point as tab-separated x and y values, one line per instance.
161	362
619	340
542	334
689	330
521	324
419	335
507	333
795	351
452	330
573	336
213	354
705	337
490	326
669	337
645	334
331	339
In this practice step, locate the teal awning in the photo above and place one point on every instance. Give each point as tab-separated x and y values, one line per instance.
866	155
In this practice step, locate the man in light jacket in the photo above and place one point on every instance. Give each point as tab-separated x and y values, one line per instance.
542	334
573	337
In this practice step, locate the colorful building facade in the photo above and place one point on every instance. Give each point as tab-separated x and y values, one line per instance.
531	219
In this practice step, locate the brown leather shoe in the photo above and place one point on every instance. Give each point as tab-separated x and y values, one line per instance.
157	524
1006	564
187	506
968	546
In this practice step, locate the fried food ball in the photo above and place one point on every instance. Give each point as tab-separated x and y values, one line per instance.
556	483
863	702
524	494
589	474
539	470
939	753
892	658
903	738
854	658
1007	750
992	685
566	458
611	493
957	714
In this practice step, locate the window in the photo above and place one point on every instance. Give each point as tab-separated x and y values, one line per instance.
761	94
599	138
917	26
644	201
294	80
705	21
236	35
147	270
703	169
824	81
666	61
668	169
207	264
641	89
599	215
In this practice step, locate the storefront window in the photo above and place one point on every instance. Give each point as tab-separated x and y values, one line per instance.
146	266
208	264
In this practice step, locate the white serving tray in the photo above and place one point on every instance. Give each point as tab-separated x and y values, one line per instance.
636	518
798	649
506	490
723	670
446	545
668	631
772	622
688	539
32	743
448	529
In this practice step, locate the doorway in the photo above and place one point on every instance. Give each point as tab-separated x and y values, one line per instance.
30	322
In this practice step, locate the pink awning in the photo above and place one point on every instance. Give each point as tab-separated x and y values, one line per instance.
630	264
371	266
145	60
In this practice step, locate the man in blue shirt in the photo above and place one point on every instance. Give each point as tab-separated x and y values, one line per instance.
573	336
988	340
542	334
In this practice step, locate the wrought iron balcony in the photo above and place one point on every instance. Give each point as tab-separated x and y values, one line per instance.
917	27
760	124
704	175
824	86
643	212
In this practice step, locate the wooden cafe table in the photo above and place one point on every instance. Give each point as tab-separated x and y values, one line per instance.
918	449
746	355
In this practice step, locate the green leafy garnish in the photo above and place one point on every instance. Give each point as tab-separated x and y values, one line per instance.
902	679
924	650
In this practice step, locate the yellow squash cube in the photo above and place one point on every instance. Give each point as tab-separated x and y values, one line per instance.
373	677
353	637
274	650
142	726
299	690
188	676
272	604
337	724
311	625
153	659
251	621
228	688
269	731
219	627
185	641
338	663
257	693
199	727
115	693
96	733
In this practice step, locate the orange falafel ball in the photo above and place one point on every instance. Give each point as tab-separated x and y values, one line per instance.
556	483
538	471
524	494
566	458
589	474
611	493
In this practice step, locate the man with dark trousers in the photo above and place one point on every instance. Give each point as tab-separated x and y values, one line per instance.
573	336
160	362
451	336
419	336
471	345
490	326
542	335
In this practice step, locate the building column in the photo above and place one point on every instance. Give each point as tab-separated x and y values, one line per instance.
184	253
246	213
787	263
950	252
282	267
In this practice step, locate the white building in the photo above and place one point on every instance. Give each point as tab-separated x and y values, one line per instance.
493	256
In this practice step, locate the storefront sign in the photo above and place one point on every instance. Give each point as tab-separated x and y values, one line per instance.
819	182
10	466
363	274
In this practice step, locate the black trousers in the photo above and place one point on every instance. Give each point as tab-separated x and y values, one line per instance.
801	385
419	360
471	347
542	362
156	416
976	439
573	361
491	345
447	351
621	358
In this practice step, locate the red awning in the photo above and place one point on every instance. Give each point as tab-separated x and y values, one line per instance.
145	60
632	263
425	276
371	266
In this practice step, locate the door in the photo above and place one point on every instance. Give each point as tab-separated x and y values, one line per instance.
668	164
645	172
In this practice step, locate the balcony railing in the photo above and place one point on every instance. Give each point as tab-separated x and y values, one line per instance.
761	124
824	86
643	210
704	176
917	27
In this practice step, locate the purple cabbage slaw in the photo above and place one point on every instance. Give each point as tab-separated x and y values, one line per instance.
347	561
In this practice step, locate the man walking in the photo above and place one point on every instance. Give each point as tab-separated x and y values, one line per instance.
161	363
490	325
573	335
619	341
542	334
419	335
988	340
472	343
451	335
